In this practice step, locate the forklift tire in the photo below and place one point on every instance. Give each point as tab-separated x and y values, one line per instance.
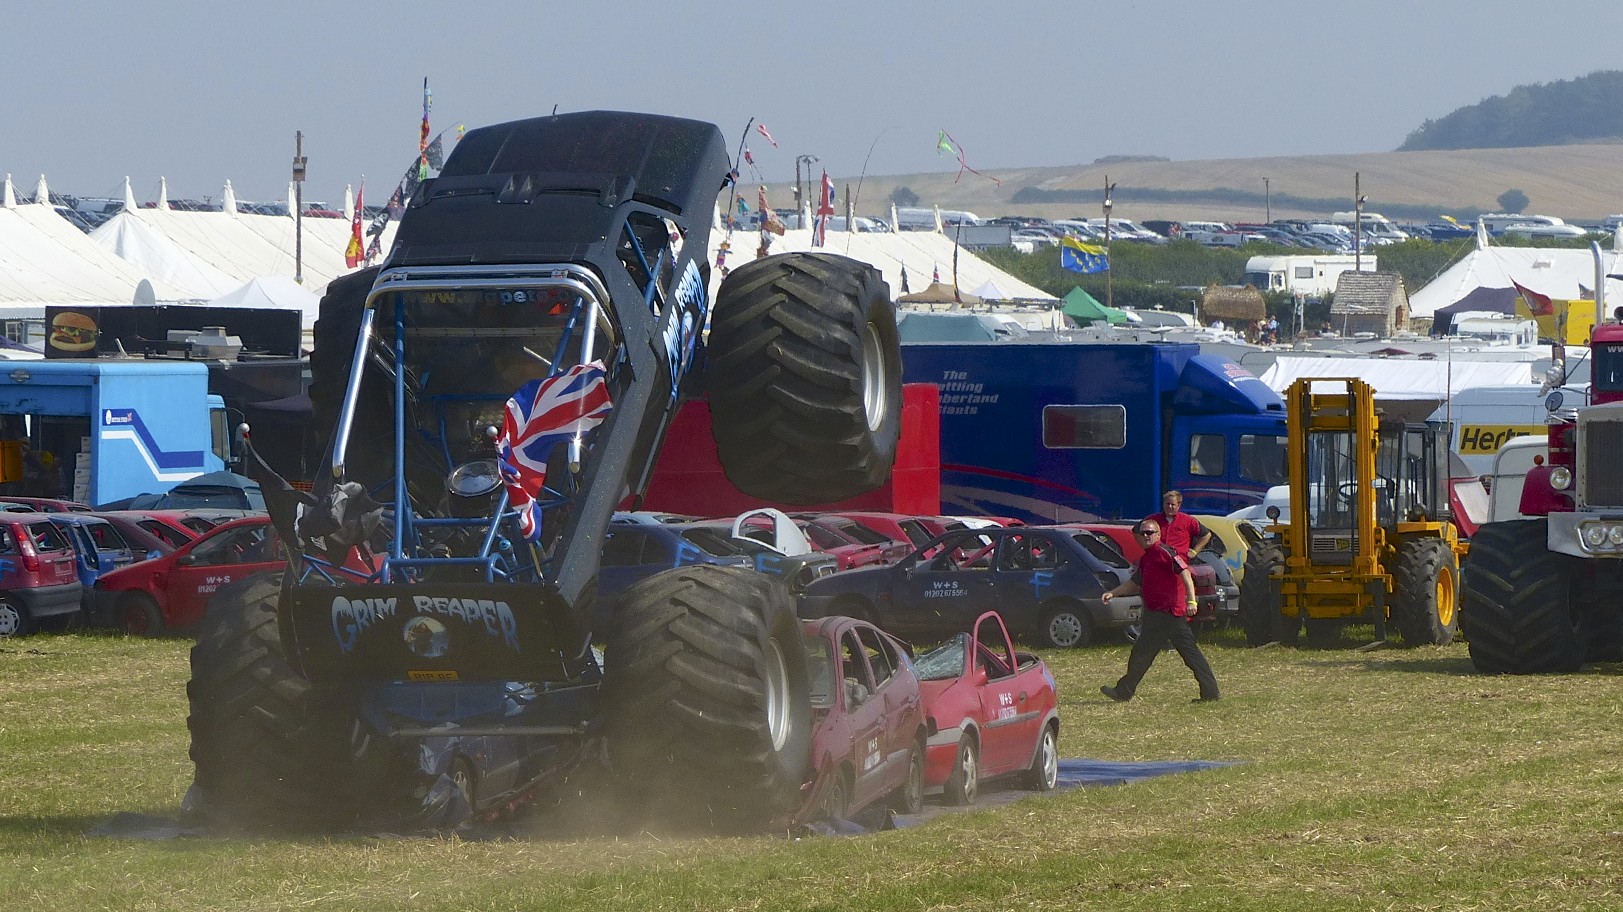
707	699
1517	604
270	748
805	378
1425	596
1259	606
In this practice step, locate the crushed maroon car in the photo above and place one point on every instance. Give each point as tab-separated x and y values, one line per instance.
991	712
868	731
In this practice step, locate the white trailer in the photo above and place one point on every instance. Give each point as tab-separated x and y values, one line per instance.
1310	275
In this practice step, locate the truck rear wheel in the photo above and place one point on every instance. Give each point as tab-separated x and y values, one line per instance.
707	698
1517	604
269	747
805	378
1259	603
1425	597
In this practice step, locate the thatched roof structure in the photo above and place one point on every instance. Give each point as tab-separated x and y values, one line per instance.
938	293
1233	303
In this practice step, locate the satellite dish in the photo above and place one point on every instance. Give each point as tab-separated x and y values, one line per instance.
144	295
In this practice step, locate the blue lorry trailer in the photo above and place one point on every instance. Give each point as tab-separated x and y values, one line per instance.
1069	431
100	431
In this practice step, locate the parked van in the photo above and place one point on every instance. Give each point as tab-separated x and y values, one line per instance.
1485	418
1375	225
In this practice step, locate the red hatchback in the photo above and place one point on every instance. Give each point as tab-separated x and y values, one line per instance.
168	592
39	574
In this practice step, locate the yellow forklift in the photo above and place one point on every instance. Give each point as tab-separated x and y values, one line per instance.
1368	538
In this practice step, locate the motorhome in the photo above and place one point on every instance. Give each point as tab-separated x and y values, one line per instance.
1375	225
1309	275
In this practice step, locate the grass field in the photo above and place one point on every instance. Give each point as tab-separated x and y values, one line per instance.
1385	779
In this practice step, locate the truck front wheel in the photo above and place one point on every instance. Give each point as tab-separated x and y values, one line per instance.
1517	603
707	698
1259	601
805	378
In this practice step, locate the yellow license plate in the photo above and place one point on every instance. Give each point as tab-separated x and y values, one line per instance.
432	675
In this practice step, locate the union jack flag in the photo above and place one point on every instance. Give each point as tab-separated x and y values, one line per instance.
825	211
541	415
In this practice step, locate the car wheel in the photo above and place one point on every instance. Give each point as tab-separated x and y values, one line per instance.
14	619
1065	626
909	798
1044	772
836	800
462	777
964	782
139	616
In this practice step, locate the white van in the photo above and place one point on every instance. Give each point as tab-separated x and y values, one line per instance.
1486	417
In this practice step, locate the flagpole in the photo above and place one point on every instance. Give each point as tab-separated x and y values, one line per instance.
298	206
738	157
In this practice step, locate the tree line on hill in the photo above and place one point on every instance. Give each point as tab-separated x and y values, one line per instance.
1585	109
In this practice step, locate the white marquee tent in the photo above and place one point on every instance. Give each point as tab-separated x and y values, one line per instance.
1561	274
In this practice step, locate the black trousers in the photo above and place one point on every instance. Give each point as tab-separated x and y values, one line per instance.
1159	630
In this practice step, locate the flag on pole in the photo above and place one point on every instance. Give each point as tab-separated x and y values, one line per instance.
540	416
761	129
354	252
428	102
825	211
1540	305
769	219
1079	257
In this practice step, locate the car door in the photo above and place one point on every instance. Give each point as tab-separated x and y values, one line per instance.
112	548
1025	572
865	709
942	589
1008	725
901	704
213	561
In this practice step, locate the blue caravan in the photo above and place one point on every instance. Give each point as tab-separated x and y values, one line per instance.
1068	431
103	430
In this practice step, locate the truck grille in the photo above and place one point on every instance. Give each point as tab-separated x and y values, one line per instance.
1600	483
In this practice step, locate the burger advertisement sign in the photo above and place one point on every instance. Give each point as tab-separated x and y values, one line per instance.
72	334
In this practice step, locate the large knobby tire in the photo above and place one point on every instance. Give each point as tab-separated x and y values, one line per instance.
1259	607
271	750
805	378
707	698
1517	604
1425	596
1064	624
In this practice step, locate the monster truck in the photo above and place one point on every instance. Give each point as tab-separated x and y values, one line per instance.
497	388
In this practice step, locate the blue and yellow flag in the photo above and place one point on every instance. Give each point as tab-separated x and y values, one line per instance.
1079	257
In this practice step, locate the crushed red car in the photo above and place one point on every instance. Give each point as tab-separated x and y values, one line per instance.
868	730
991	711
168	592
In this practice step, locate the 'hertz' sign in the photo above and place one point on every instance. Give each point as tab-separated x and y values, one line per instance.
1486	439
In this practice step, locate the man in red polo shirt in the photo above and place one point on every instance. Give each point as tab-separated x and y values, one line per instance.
1163	577
1180	531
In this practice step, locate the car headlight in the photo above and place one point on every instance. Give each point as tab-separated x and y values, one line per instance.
1560	478
1594	535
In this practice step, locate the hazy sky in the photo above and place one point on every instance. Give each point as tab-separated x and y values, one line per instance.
197	92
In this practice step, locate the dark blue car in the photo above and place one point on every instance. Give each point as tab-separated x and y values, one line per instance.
1046	583
100	548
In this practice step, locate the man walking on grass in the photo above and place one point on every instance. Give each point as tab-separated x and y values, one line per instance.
1163	577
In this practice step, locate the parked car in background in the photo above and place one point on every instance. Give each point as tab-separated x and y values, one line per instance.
797	569
916	530
48	504
796	535
1046	581
38	575
170	592
98	548
173	527
828	531
144	544
868	730
991	711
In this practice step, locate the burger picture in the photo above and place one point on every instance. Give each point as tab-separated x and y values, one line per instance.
73	332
